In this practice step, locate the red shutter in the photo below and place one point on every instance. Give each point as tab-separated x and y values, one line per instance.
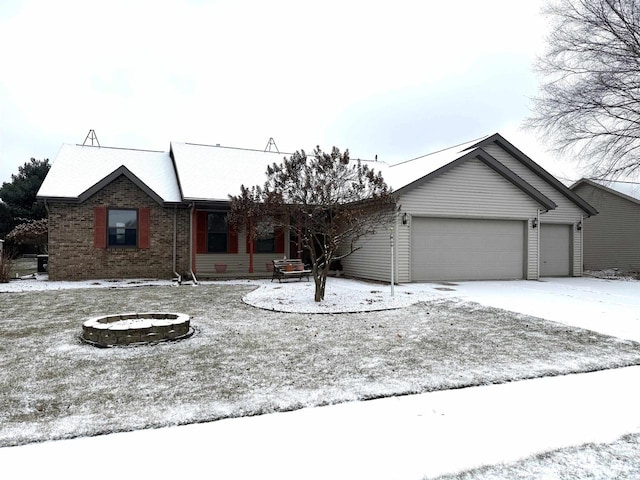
279	239
100	227
144	228
232	240
201	232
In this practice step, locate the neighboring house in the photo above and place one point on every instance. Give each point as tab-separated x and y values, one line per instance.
480	210
612	239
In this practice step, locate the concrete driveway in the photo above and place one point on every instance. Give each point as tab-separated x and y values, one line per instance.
611	307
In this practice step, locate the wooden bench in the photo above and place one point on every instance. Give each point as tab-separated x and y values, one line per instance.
290	268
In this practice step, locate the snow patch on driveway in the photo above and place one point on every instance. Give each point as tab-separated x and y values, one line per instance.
611	307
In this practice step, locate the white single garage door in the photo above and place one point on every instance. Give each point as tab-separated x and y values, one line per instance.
464	249
555	250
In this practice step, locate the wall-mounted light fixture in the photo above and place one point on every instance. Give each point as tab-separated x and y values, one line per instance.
534	223
404	218
579	225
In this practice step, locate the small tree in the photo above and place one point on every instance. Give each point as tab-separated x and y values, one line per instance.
327	201
590	94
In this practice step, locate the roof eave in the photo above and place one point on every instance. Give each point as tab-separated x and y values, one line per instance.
512	150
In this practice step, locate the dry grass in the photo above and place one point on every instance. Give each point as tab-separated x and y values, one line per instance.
614	461
244	361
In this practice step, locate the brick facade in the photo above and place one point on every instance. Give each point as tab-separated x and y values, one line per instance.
73	256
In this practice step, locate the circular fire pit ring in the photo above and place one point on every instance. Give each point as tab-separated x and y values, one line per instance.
135	329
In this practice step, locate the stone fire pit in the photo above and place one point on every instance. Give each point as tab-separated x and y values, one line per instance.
136	328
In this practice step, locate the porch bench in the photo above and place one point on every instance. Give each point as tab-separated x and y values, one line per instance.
291	268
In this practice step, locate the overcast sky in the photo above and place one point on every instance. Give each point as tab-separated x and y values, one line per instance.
396	79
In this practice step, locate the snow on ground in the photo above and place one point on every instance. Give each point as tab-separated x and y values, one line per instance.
611	307
41	282
341	295
400	437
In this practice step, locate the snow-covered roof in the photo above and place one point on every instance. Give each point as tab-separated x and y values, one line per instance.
194	172
404	173
77	169
207	172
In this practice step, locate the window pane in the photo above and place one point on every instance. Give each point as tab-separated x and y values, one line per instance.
217	223
217	242
123	228
217	232
266	245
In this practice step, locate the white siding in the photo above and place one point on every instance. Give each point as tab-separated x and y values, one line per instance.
470	190
237	263
566	212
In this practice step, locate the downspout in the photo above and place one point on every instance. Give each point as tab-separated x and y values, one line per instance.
191	212
581	245
175	241
538	244
46	207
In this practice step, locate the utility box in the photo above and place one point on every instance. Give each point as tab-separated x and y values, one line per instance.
43	263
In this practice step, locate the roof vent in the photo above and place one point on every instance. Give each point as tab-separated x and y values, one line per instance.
93	137
271	143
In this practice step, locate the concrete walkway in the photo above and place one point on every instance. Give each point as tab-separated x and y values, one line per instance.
396	438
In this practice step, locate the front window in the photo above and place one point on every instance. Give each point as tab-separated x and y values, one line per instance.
266	242
217	233
122	228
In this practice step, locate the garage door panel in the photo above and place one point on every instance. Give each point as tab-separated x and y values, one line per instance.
555	250
465	249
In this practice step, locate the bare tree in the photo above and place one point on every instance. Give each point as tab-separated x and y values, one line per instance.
327	201
590	93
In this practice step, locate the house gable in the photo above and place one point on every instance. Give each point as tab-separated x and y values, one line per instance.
489	161
121	171
498	140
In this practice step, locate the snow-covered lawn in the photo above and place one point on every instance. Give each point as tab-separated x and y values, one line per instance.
244	360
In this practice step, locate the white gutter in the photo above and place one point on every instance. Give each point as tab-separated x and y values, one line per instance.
538	243
581	244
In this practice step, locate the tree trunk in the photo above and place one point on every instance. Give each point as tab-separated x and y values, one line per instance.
320	277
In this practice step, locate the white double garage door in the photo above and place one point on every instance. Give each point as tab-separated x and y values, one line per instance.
482	249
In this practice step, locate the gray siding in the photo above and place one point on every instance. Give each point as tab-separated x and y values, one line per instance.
566	212
469	190
472	190
611	238
373	260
